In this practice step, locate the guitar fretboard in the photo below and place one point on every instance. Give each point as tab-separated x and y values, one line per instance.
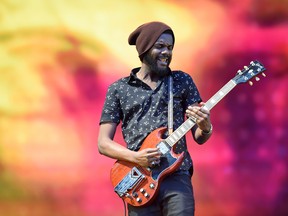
189	123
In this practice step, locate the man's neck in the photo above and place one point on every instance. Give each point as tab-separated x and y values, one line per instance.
148	77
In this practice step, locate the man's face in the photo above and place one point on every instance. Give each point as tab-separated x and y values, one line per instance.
158	58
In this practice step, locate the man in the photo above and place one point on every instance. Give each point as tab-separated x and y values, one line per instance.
140	102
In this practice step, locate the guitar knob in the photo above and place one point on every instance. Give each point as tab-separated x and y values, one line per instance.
139	200
257	78
152	186
128	195
146	195
250	83
263	74
142	190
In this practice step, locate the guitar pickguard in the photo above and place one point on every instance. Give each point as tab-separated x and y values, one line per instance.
166	161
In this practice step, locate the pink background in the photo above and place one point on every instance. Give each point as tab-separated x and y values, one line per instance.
57	60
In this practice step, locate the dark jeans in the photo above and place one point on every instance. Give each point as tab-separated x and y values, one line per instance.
175	198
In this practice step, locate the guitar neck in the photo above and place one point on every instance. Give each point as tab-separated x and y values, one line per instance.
189	123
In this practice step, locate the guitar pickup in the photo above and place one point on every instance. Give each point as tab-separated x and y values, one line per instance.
163	147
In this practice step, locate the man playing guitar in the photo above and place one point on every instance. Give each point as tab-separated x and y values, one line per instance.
140	103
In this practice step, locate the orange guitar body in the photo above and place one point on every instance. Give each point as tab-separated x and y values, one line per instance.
138	185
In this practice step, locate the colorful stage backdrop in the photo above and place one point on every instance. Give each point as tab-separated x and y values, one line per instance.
57	59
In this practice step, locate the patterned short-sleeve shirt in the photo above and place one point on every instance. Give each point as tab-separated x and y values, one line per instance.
141	109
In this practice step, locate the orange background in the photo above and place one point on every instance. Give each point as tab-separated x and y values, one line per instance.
57	60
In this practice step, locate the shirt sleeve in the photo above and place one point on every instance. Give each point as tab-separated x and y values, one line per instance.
111	111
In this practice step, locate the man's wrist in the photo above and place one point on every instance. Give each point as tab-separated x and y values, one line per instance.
208	132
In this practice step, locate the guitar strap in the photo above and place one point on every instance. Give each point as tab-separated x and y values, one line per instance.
170	105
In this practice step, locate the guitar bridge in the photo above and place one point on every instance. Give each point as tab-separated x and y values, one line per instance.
133	178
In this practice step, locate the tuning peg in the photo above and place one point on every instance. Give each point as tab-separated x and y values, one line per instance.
257	78
245	67
239	71
263	74
250	83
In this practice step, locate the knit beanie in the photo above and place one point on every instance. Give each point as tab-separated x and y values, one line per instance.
145	36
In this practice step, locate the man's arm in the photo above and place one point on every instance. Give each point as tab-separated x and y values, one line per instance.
112	149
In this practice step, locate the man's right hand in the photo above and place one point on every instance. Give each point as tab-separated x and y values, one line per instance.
147	157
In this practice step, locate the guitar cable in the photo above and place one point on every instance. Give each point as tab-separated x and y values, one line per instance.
125	208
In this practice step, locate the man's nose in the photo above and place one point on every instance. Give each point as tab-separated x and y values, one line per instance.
166	50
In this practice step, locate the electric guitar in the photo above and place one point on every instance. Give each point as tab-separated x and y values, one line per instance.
138	185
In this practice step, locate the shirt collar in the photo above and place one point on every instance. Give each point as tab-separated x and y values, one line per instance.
133	78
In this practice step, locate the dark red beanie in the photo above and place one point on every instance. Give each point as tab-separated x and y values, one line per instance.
145	36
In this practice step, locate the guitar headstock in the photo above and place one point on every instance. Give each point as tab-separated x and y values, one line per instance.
249	72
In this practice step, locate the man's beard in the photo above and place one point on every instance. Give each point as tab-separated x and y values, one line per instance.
152	64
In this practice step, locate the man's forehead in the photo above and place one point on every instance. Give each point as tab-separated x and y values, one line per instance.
167	37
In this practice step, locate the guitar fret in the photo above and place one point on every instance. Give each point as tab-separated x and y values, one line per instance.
220	94
182	129
170	143
180	132
176	136
172	138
